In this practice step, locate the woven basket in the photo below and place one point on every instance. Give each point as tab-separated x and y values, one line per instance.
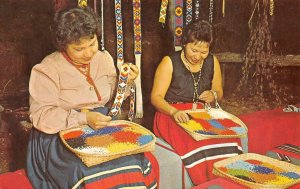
90	159
200	136
251	156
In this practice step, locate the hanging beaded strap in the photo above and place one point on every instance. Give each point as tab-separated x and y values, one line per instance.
189	11
121	90
271	7
211	9
223	8
102	26
197	9
118	12
82	3
178	25
137	28
132	103
163	11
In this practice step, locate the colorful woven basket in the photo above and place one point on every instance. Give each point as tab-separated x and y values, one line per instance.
258	171
213	123
119	138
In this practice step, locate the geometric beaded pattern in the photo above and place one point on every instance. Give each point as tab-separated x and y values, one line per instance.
121	89
163	11
197	9
189	11
271	7
82	3
178	22
137	27
118	12
132	102
211	9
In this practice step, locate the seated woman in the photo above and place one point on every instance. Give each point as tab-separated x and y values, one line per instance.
183	80
77	76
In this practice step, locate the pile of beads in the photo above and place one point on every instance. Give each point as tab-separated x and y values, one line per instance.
108	140
213	123
260	172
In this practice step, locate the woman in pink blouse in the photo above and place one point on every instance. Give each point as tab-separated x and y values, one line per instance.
77	76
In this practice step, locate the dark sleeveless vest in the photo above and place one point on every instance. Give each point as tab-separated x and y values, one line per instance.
182	85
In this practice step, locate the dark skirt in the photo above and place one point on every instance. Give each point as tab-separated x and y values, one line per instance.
51	165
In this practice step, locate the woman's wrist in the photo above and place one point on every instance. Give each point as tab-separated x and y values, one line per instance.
173	111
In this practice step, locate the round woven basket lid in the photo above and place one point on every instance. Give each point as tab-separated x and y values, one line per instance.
258	171
118	137
213	123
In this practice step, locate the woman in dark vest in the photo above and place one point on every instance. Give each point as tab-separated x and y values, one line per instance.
185	80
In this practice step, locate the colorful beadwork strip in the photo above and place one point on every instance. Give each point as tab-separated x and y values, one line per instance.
211	9
197	9
163	11
271	7
102	26
131	103
178	25
82	3
189	11
107	140
256	171
137	28
121	89
118	15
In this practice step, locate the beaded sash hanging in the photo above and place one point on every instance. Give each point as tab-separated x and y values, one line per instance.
271	7
137	28
223	8
82	3
189	11
118	12
121	90
178	25
123	68
197	9
211	9
102	26
163	11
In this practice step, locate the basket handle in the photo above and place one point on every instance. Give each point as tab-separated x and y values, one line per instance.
207	106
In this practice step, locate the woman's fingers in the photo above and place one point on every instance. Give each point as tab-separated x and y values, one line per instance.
97	120
207	96
181	117
134	72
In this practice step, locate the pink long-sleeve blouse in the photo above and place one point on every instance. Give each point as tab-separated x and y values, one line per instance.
57	89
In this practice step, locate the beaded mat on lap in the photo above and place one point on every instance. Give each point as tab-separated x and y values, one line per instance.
119	138
213	123
257	171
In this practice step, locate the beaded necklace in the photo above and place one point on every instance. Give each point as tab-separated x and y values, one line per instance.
195	82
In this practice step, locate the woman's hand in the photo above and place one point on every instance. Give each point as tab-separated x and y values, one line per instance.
134	72
180	116
207	96
97	120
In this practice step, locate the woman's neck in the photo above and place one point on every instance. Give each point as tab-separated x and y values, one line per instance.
191	67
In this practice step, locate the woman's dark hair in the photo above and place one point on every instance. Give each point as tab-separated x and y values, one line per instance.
71	25
199	30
